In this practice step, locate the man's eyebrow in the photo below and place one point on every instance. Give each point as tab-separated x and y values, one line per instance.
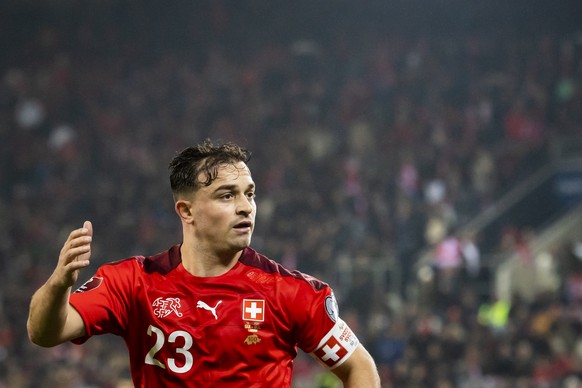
233	187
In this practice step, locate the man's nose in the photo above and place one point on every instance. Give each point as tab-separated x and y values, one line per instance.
245	205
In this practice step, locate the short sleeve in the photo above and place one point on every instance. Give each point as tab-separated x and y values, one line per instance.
103	300
321	330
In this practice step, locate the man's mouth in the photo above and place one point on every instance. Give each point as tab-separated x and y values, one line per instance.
243	225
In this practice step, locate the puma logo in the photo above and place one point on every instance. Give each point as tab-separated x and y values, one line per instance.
203	305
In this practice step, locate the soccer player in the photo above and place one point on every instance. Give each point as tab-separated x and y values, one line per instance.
210	311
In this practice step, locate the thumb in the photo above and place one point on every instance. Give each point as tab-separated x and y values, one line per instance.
89	226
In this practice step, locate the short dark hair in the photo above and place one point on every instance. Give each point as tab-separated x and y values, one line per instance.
206	158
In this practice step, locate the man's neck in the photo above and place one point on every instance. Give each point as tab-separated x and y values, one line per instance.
201	263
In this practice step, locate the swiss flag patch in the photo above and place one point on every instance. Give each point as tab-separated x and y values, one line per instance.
253	310
331	352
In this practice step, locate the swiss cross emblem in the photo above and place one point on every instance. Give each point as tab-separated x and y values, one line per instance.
253	310
331	352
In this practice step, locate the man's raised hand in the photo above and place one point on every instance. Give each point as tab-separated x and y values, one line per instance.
74	256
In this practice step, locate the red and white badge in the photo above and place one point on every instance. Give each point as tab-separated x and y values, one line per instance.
337	346
253	310
90	284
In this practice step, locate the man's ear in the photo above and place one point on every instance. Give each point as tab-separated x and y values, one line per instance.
184	210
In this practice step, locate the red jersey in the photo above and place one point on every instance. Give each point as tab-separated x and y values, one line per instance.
238	329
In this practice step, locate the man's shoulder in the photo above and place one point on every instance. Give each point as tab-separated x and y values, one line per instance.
162	262
259	267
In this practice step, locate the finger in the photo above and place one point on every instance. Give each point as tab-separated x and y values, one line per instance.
86	230
79	241
72	253
77	233
77	264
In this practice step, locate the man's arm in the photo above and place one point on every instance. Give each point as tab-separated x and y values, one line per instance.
52	320
358	371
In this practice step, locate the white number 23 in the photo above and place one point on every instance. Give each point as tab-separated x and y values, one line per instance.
161	340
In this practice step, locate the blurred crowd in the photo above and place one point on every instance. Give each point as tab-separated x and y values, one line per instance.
368	146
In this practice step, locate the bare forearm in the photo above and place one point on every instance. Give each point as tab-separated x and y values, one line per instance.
362	379
48	314
51	320
359	371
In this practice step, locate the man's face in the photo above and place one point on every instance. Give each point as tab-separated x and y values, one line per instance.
224	212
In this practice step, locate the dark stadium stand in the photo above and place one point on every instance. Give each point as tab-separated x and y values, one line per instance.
387	137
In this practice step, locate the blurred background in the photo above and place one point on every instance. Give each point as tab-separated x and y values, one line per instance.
422	157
